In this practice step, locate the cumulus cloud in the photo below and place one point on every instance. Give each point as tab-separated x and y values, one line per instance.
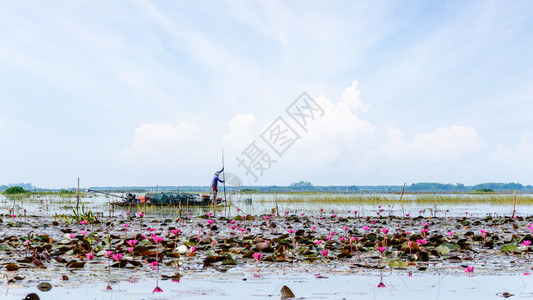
155	144
351	98
443	144
336	140
240	132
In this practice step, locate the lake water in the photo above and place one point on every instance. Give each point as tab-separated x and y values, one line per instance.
265	281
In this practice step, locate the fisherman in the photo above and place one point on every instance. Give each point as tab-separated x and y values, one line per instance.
214	184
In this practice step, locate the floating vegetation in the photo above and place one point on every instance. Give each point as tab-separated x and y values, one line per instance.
172	244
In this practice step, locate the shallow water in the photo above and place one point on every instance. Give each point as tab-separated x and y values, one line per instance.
241	284
261	204
264	282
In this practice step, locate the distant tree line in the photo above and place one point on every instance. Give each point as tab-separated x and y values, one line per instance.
459	187
26	186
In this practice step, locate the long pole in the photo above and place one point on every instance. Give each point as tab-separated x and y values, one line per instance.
224	176
78	196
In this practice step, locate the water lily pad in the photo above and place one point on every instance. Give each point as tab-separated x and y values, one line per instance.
12	267
442	250
451	246
397	263
508	247
44	286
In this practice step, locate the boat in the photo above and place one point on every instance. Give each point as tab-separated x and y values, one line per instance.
162	198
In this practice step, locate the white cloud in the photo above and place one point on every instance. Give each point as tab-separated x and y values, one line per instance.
338	140
240	132
155	144
351	98
443	144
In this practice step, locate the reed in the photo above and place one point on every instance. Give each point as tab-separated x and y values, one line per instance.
494	199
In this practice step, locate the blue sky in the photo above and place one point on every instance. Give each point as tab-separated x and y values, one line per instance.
149	92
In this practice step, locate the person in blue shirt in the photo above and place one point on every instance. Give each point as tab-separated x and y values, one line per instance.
214	184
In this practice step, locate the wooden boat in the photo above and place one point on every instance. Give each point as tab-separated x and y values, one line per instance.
163	198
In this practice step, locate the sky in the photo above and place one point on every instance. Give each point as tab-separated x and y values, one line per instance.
139	93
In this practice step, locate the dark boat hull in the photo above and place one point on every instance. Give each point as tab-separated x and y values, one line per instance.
169	198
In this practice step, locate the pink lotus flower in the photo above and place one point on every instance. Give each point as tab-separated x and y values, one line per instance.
83	222
89	256
381	285
385	230
345	228
210	222
318	242
117	256
407	215
157	239
154	263
257	256
469	269
151	229
72	236
313	228
132	243
209	214
157	290
329	237
366	228
324	253
108	253
353	238
381	249
526	243
83	232
450	233
291	231
421	241
232	222
341	239
233	227
141	215
175	231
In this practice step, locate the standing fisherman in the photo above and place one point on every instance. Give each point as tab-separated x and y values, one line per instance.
214	184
